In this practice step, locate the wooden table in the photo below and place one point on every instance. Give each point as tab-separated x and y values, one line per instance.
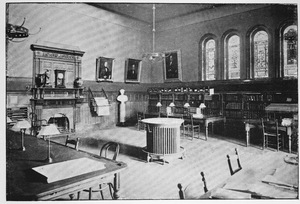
208	120
23	184
163	136
252	123
251	181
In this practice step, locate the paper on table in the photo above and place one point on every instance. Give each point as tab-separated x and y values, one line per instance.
262	189
222	193
68	169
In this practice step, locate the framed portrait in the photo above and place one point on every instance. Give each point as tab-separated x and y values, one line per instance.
104	69
133	69
172	66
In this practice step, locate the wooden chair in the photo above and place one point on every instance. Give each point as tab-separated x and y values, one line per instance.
189	126
239	167
109	150
181	192
271	136
74	142
140	117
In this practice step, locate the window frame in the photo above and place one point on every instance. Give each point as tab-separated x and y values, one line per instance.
253	32
202	56
228	35
282	29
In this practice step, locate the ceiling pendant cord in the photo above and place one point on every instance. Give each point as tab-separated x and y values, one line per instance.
153	30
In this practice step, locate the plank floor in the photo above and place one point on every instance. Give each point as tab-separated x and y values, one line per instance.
155	181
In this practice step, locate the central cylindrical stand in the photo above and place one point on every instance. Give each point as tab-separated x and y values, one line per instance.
163	136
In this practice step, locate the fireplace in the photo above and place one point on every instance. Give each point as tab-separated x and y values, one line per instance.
61	121
54	96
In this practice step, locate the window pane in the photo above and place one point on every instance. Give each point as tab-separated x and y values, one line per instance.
261	64
234	57
210	60
290	51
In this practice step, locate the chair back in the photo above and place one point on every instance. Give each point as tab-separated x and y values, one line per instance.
112	146
192	189
192	119
269	126
140	116
204	182
74	142
181	194
239	167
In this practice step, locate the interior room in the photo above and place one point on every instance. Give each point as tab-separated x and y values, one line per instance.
143	101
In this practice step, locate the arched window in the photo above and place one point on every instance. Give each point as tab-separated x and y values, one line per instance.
260	53
232	57
209	60
290	51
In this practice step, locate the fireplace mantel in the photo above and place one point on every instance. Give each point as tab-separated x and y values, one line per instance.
55	65
56	69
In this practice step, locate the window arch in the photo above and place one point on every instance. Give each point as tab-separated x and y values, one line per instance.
209	58
232	58
289	50
259	54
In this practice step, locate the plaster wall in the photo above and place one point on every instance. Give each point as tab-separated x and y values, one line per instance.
96	32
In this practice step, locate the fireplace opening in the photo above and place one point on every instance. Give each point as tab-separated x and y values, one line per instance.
61	121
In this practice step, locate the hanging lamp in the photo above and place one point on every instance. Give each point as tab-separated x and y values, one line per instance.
153	56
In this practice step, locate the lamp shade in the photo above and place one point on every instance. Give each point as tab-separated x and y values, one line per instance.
158	104
202	105
172	104
50	129
186	105
21	124
8	120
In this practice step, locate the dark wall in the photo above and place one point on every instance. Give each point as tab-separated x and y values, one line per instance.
184	34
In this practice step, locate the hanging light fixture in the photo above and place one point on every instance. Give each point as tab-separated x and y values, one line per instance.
17	32
154	56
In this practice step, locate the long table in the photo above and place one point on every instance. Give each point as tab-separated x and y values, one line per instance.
210	120
22	183
252	123
206	120
264	179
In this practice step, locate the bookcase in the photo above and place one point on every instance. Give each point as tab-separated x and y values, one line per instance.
153	99
239	105
214	105
180	96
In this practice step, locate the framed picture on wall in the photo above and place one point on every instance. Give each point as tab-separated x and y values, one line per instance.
104	69
172	66
133	69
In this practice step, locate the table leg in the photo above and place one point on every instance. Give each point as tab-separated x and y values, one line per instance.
116	186
247	138
224	127
206	131
247	129
289	133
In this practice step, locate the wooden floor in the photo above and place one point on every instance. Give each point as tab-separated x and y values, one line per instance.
154	180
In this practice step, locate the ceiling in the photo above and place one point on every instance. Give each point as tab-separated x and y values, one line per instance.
164	11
